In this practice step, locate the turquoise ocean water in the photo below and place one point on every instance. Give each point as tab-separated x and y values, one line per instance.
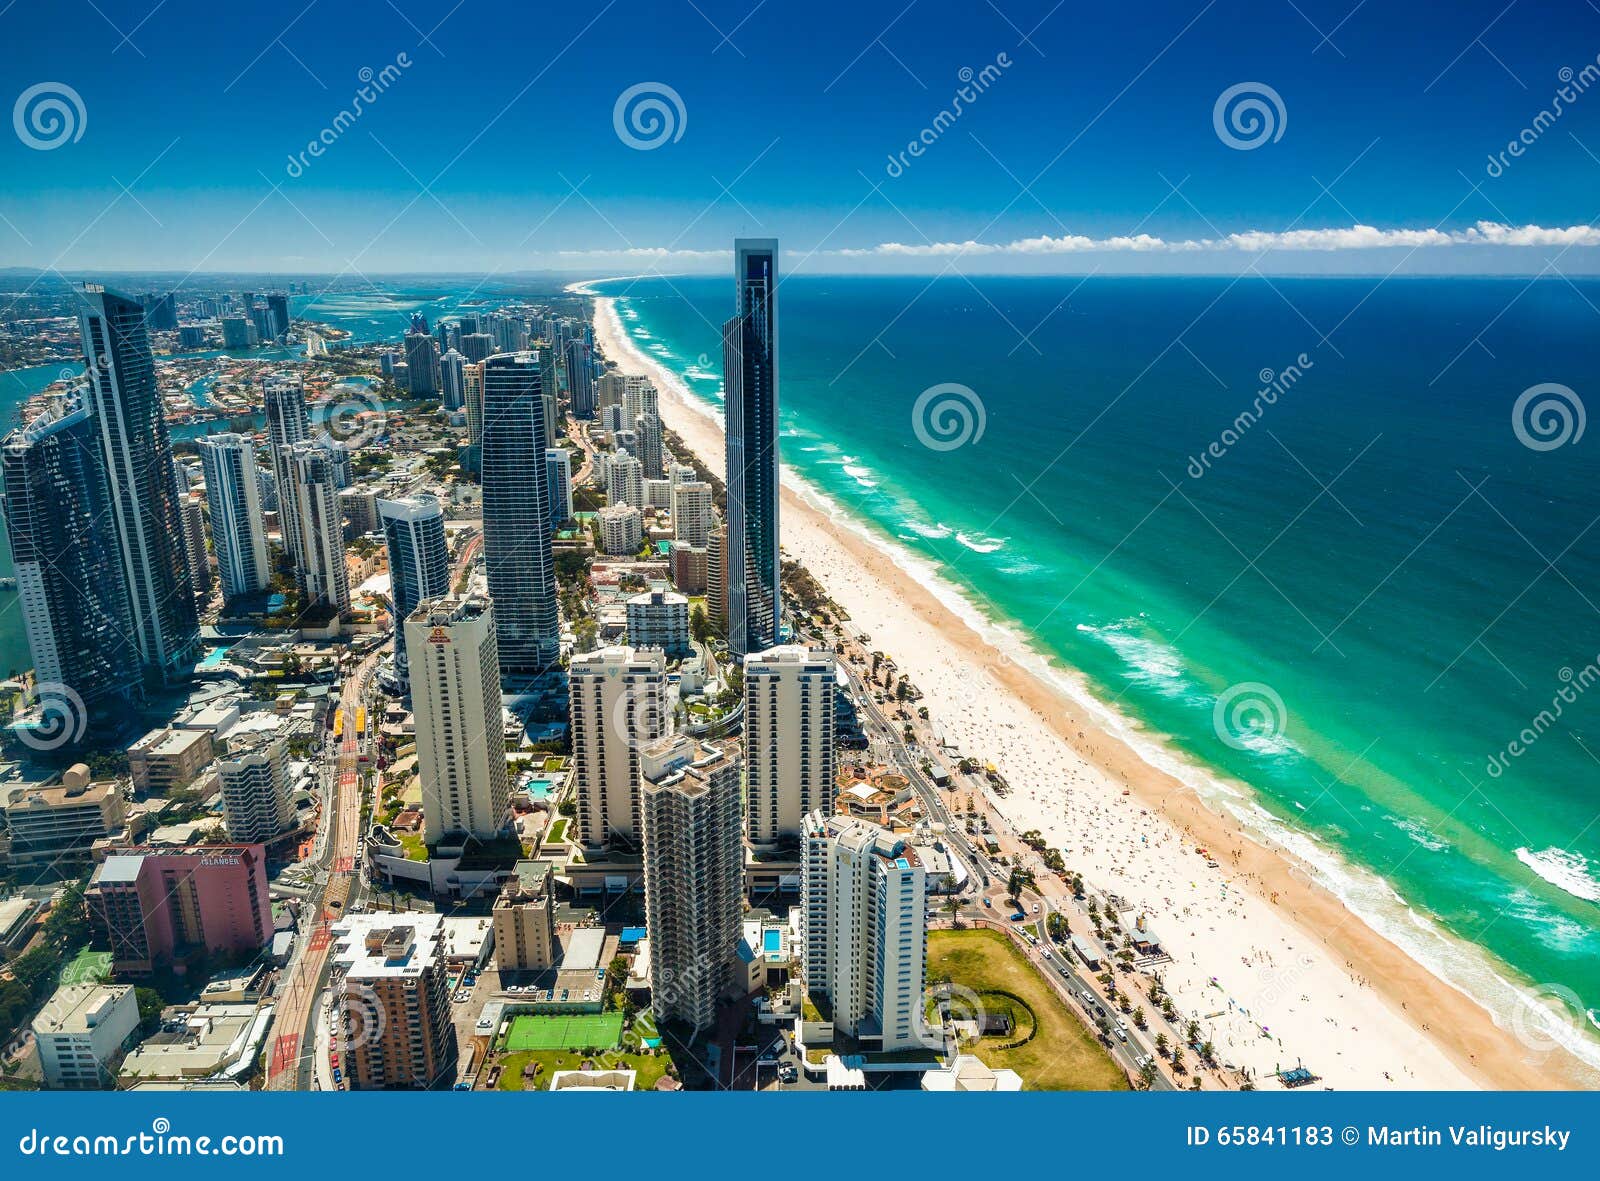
1381	584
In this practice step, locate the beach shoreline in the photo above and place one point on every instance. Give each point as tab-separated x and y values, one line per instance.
1254	934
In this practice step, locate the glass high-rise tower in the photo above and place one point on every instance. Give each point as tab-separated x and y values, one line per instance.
144	495
750	381
68	565
419	563
516	517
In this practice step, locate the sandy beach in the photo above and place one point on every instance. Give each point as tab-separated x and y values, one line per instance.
1276	968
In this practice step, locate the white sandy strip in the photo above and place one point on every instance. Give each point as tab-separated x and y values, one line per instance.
1287	981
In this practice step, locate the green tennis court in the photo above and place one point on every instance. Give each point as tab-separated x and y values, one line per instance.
566	1031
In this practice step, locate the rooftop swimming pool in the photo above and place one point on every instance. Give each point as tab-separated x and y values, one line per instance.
214	659
772	941
539	789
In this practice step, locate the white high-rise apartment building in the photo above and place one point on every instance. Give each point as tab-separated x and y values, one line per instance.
693	876
621	530
288	423
864	931
693	513
233	494
461	741
319	526
625	480
618	702
257	795
789	740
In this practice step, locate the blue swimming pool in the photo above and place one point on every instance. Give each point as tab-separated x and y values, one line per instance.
214	658
772	941
539	789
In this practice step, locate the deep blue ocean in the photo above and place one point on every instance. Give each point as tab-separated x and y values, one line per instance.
1381	584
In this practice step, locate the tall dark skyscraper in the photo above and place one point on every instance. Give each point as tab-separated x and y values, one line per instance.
516	517
144	495
580	378
278	311
419	562
422	362
64	549
750	379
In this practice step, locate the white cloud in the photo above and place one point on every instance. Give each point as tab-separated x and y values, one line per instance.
651	252
1357	237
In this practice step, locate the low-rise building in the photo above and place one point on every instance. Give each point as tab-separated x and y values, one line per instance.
47	823
659	619
166	758
82	1032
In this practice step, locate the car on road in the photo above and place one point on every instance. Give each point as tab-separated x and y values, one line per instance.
1122	1035
1035	908
989	902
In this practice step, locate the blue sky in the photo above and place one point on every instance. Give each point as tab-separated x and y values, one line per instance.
496	148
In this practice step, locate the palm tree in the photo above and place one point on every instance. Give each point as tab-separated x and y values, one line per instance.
1161	1044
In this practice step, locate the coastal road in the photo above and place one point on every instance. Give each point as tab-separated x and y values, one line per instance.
293	1048
1056	965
